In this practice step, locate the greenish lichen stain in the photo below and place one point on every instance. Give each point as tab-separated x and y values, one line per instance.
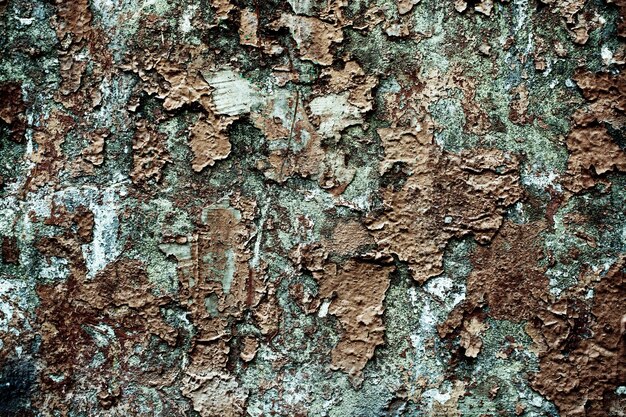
312	208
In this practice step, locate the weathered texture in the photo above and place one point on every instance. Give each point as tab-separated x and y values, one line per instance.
209	142
312	208
592	149
354	293
581	344
447	195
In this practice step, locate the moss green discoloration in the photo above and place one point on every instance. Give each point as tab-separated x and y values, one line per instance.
180	182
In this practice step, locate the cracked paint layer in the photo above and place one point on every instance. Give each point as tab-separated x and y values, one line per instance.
312	208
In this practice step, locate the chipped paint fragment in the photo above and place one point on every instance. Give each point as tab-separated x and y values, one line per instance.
312	208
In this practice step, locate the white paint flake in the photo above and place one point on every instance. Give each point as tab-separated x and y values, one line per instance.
336	113
233	95
104	248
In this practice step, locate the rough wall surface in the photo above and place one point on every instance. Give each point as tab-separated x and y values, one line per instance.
312	208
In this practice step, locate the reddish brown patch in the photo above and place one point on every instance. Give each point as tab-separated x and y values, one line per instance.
593	152
583	356
12	109
117	304
556	199
10	250
354	291
518	108
447	195
48	156
579	340
119	298
76	228
208	139
506	276
217	285
150	155
80	89
93	155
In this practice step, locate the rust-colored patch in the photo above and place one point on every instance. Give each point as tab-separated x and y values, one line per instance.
347	238
150	154
592	153
119	300
313	37
12	109
217	285
592	150
102	342
92	155
209	141
79	318
214	278
10	250
218	296
80	44
583	342
506	275
518	109
503	280
48	156
411	106
579	340
81	219
354	292
446	195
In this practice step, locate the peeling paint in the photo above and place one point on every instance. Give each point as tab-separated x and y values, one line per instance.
307	208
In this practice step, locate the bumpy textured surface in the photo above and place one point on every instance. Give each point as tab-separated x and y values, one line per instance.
222	208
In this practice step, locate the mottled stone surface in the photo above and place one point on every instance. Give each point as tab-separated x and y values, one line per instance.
337	208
